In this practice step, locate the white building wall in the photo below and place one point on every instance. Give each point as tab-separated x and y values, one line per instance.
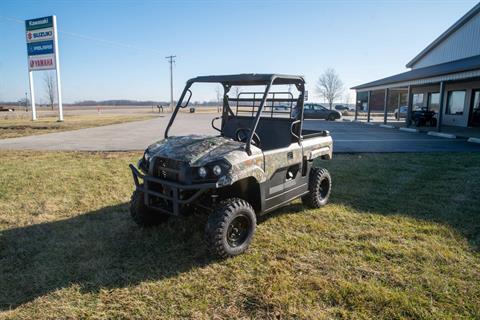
463	43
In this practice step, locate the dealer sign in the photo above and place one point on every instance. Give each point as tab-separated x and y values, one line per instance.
40	36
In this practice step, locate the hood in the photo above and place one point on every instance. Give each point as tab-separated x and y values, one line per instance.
196	150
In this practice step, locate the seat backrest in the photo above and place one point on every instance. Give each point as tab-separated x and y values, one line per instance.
274	133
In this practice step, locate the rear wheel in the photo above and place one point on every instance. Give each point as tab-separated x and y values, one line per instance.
319	186
331	117
230	228
143	215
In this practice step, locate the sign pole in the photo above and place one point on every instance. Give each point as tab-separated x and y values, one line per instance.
57	71
32	95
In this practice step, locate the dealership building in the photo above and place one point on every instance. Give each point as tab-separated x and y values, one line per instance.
442	87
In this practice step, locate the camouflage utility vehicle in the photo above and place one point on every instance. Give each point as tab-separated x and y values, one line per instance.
260	160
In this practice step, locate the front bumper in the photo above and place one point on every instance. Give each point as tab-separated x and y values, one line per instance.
173	196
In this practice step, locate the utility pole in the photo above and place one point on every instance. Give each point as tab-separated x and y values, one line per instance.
171	60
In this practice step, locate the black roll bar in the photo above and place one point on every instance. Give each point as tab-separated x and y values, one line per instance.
300	87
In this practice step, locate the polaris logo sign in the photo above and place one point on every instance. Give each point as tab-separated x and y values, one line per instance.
44	47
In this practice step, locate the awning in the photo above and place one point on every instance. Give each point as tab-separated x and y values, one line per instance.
455	70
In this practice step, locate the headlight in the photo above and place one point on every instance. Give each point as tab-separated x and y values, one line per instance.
217	170
147	156
202	172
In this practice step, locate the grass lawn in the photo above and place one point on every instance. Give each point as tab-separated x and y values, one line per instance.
12	128
400	239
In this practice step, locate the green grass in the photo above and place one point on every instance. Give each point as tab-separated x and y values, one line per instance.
400	239
13	128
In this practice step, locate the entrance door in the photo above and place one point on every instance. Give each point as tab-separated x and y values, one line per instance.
475	109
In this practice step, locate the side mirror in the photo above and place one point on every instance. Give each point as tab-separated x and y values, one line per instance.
188	100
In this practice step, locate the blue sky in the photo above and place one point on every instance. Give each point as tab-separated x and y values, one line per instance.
116	49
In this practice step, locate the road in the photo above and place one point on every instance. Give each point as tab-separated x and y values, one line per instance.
348	137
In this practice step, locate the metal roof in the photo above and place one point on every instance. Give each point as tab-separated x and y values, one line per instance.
250	79
457	25
456	66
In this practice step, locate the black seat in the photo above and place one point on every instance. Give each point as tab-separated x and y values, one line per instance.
274	133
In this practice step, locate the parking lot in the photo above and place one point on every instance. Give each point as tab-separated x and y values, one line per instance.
349	137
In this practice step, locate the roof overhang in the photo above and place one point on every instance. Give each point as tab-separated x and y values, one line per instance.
450	71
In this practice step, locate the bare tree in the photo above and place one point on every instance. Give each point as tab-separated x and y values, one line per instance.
347	98
236	91
49	81
329	86
218	91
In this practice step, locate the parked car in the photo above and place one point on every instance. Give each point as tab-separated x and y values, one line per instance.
343	109
424	117
401	113
317	111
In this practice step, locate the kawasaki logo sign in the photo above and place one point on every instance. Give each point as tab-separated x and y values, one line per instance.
39	23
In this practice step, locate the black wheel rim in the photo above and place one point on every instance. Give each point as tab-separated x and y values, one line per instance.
324	188
238	230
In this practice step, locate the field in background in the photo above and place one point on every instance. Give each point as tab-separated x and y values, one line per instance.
20	126
19	123
400	239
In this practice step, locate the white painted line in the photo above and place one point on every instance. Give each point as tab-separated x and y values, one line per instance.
441	134
388	126
395	140
408	129
474	140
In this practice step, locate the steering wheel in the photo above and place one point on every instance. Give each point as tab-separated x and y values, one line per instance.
242	134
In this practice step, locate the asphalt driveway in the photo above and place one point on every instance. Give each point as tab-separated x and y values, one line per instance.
348	137
360	137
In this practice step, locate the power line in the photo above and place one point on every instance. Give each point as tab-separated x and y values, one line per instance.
171	60
94	39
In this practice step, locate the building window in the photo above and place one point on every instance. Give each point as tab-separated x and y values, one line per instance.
475	116
417	104
434	101
456	102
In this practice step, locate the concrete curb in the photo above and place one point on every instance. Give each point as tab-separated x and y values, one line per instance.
408	129
387	126
441	134
370	123
474	140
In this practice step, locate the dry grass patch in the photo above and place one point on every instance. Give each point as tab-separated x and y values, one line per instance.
12	128
397	241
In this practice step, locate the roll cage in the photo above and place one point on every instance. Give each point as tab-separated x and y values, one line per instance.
227	81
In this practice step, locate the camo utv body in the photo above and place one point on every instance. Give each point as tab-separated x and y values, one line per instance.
260	160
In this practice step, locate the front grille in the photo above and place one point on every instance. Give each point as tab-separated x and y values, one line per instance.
167	169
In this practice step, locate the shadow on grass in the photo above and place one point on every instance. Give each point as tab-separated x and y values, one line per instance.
100	249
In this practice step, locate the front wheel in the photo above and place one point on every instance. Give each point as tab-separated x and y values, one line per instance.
230	228
143	215
319	187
